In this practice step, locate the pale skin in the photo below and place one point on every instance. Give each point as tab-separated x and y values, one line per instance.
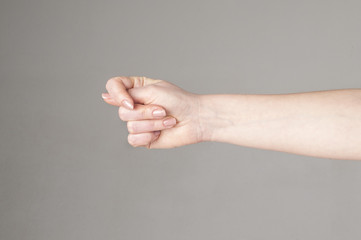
324	124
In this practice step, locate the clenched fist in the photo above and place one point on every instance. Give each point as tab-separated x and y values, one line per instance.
158	113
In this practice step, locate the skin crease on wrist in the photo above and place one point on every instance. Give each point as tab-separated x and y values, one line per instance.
320	124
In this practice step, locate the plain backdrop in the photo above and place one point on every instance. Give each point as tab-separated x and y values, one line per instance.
67	171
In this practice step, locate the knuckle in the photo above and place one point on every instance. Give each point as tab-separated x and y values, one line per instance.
138	81
109	83
144	112
130	126
124	114
131	140
121	114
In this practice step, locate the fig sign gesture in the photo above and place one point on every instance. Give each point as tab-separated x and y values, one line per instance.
161	115
158	113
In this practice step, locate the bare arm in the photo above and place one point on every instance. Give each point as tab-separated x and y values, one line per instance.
321	124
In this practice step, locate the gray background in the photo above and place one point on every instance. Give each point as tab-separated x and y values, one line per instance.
67	171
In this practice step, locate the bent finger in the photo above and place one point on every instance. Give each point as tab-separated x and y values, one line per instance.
108	99
142	112
143	139
117	88
143	126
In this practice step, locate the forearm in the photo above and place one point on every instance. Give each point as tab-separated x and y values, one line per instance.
321	124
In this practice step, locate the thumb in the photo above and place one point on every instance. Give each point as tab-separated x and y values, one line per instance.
142	95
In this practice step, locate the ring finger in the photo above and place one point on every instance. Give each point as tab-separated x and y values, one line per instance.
143	139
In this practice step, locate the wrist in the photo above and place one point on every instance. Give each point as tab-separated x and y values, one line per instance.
203	124
213	117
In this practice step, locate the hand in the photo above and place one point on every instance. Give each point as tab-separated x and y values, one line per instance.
136	94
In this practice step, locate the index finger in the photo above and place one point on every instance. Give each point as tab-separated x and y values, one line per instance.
117	88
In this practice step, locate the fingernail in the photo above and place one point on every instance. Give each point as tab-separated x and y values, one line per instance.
169	122
159	113
105	96
127	104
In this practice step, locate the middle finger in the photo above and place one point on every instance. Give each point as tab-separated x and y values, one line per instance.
141	112
143	126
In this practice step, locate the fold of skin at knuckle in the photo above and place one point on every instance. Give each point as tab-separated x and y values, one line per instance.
131	127
143	139
107	85
132	140
138	81
122	114
110	83
144	112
